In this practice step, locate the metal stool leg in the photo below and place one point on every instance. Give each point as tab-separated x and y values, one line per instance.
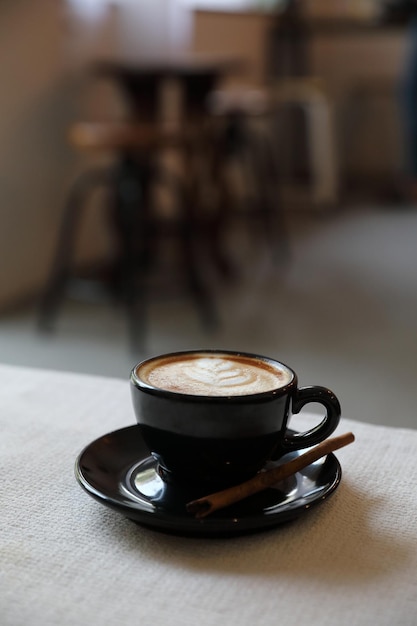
251	146
266	168
60	272
132	205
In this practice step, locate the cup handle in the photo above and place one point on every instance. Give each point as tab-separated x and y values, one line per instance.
315	435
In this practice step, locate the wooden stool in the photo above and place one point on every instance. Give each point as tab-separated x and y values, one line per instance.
135	225
310	95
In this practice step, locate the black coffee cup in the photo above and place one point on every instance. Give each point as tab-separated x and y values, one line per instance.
216	417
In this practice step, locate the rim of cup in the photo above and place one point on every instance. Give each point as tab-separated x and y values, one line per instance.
263	395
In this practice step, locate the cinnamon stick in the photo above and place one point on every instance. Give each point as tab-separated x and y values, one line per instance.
219	500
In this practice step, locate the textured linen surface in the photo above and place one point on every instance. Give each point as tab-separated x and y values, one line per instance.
68	560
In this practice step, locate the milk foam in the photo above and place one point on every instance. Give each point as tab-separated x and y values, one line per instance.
214	375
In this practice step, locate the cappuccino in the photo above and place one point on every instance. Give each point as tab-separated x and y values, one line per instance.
214	374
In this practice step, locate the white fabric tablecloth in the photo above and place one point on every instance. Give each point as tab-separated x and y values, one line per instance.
68	560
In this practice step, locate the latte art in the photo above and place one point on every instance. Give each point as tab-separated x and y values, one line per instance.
214	374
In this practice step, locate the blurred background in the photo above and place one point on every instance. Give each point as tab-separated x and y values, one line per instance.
232	174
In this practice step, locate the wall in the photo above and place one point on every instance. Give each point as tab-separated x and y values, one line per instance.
41	95
34	106
240	35
363	74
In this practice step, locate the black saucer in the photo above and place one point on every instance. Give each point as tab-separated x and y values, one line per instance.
118	471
